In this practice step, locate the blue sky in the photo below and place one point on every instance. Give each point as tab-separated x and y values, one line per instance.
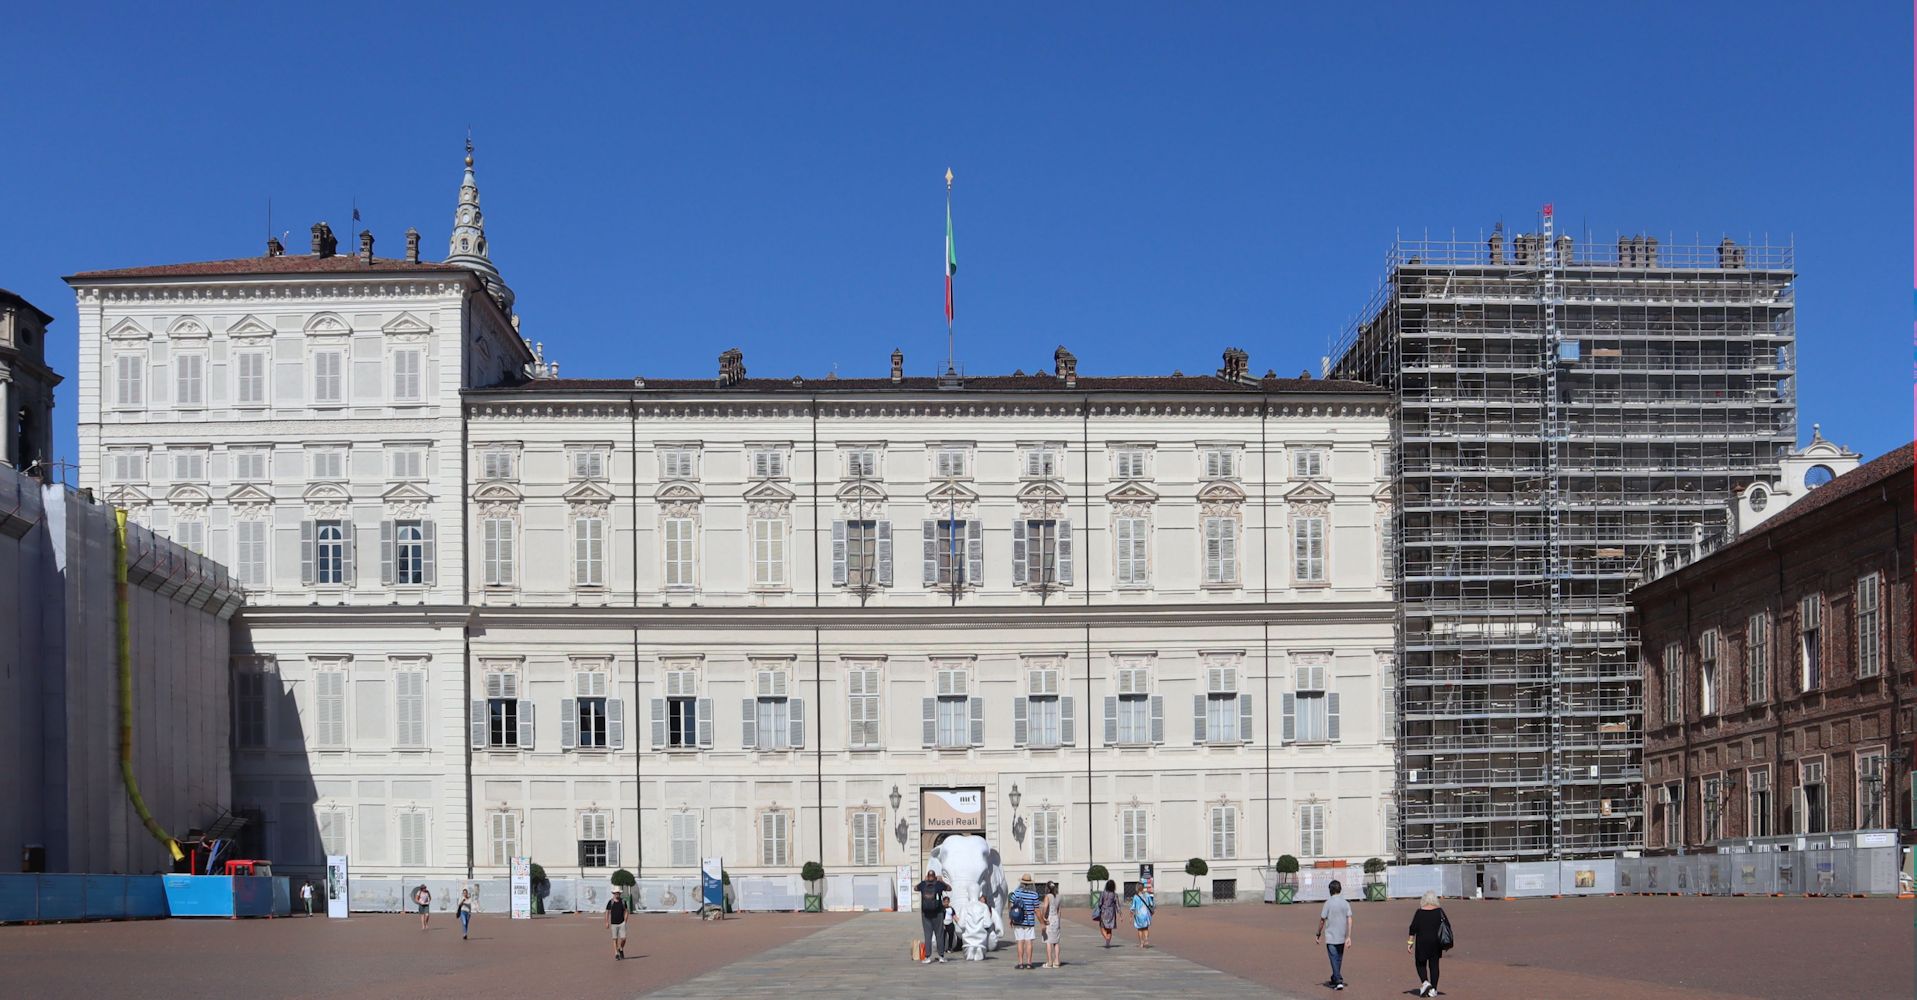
1145	184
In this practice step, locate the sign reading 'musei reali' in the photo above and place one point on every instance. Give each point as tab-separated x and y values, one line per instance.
952	810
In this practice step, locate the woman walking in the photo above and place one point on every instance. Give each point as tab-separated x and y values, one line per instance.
465	913
423	899
1054	925
1107	911
1142	904
1427	940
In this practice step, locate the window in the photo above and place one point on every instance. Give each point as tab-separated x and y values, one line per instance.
409	376
1041	462
329	709
775	834
1671	677
681	720
1129	463
1218	463
1810	646
1311	710
329	464
412	838
1134	835
1311	830
595	840
589	464
503	721
948	463
1713	809
1043	718
1811	801
1221	551
1670	810
329	378
129	380
684	835
250	465
128	465
954	553
504	827
589	551
862	463
768	552
409	552
1757	658
1224	833
191	536
767	463
591	720
1222	714
679	552
496	534
407	463
1387	548
496	464
330	546
773	720
677	463
1308	549
249	553
189	465
249	378
249	709
1042	554
409	717
862	707
334	830
1707	674
1133	537
953	720
1134	716
865	838
1308	463
1870	790
1758	783
1387	695
862	554
1045	838
1870	625
189	380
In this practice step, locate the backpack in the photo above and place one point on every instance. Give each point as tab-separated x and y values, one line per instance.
1445	940
1020	915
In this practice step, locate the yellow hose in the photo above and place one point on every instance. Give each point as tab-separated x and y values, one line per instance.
123	630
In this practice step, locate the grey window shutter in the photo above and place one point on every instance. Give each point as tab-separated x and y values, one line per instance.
797	707
1244	717
1065	553
1288	730
1018	722
1331	716
978	722
479	724
526	733
616	723
568	724
749	723
1158	718
838	553
1198	718
1018	553
885	553
974	552
658	723
349	544
1067	723
1111	720
306	553
612	853
931	718
931	553
429	547
386	553
705	722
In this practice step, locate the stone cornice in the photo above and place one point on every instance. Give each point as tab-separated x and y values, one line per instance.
307	288
495	405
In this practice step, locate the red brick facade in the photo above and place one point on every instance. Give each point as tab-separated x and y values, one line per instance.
1735	748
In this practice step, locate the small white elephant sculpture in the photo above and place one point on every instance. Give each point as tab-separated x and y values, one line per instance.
971	865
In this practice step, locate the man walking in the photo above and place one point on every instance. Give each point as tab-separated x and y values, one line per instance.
306	896
932	892
1334	932
1025	919
616	921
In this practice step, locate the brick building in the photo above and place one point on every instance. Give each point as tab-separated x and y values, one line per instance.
1777	672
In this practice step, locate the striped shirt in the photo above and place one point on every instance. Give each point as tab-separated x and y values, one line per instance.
1027	901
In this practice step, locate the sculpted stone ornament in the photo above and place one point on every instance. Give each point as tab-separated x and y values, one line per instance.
971	865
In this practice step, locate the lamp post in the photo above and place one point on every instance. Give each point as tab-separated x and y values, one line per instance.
902	830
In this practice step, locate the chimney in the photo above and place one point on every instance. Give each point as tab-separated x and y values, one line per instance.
366	247
1065	366
731	367
1496	245
274	248
324	243
1237	365
1564	251
898	365
412	245
1729	254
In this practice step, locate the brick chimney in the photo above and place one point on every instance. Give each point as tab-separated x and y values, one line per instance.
274	248
898	365
1496	247
731	367
1729	254
412	245
366	247
324	244
1065	366
1237	365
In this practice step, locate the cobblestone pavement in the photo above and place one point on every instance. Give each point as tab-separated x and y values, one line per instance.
868	956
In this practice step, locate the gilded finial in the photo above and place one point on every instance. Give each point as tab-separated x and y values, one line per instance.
469	147
948	178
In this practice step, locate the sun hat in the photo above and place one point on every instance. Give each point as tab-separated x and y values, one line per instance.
1025	879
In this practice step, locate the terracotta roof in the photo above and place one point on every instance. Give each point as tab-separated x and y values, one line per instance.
984	383
283	264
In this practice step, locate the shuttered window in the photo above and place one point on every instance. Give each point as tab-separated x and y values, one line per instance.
679	552
1134	841
249	378
1307	463
677	463
1042	554
129	380
768	463
862	707
865	838
329	378
1311	830
1045	836
412	839
249	464
1308	549
334	831
862	554
775	836
1707	673
1870	625
409	717
329	688
1311	710
496	534
954	553
595	839
1128	463
504	830
189	380
1224	833
1222	714
1133	535
1221	551
1219	463
768	552
1810	644
589	551
408	376
249	553
685	840
1757	658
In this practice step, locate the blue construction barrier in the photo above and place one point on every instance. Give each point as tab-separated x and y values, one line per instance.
220	895
54	898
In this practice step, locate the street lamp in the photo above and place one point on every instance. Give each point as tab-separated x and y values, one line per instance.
1014	797
895	798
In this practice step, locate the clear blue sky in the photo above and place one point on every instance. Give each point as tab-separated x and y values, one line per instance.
1144	183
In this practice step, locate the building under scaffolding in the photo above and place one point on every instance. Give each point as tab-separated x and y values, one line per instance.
1563	411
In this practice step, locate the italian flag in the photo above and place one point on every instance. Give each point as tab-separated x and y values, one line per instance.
951	261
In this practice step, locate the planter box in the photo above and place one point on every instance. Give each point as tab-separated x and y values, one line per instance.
1374	892
1193	897
1287	892
814	903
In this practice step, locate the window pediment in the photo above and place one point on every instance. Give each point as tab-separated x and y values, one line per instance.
948	493
187	328
128	496
767	491
328	325
1131	493
188	495
861	492
1042	492
587	491
678	492
249	327
1309	492
1222	491
248	494
407	500
328	500
1383	494
497	493
126	329
406	323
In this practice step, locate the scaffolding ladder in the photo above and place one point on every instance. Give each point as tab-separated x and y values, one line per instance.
1554	636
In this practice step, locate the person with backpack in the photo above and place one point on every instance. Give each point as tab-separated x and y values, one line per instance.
932	892
1025	920
1107	911
1429	938
1142	906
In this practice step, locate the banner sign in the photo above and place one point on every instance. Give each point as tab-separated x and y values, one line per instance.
712	888
522	888
904	888
1145	876
948	810
336	887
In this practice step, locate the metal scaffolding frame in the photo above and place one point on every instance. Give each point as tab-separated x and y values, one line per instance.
1563	411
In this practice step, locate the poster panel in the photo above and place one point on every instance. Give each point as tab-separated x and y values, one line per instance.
522	888
337	886
712	887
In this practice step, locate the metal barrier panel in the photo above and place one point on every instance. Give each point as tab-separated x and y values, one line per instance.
1413	881
62	897
1875	870
19	898
1750	874
252	896
104	897
492	895
1689	877
1787	872
374	895
1314	884
1630	875
199	895
658	895
282	896
146	897
1460	881
861	892
1658	876
769	892
562	895
1822	874
1595	877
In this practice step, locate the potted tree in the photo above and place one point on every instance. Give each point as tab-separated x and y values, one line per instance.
1197	869
1097	876
540	887
1374	880
1287	889
814	875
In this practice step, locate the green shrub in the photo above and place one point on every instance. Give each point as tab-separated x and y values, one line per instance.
623	879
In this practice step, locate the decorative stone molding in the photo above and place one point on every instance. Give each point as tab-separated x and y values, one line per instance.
1222	498
328	324
127	329
249	328
407	328
1042	500
1131	499
187	328
315	288
328	501
406	501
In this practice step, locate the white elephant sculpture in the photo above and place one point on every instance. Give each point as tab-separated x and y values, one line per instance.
971	866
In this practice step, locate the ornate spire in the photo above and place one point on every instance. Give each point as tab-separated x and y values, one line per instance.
468	244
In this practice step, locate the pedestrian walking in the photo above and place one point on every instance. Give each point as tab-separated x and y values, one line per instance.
306	896
1107	911
951	925
1024	919
616	922
423	899
1427	940
1142	906
1054	925
465	913
1334	932
932	890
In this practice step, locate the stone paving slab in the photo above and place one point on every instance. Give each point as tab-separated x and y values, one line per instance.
868	956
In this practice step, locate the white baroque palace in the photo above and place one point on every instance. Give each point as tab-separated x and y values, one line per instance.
633	623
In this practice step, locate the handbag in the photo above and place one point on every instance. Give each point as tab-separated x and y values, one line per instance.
1445	941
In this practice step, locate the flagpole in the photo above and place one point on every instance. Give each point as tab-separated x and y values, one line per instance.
949	367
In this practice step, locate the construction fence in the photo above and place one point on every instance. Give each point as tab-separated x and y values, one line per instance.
1858	871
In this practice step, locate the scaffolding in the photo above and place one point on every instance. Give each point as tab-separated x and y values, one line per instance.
1564	410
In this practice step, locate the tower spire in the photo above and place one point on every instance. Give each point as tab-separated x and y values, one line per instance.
468	245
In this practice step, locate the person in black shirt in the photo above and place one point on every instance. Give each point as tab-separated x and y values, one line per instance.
616	920
932	892
1424	944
